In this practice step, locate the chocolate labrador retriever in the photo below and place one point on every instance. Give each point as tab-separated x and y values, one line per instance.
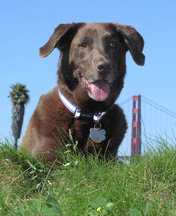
91	75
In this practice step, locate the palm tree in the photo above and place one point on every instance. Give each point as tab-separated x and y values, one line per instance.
19	97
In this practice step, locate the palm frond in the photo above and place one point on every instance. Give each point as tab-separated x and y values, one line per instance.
19	93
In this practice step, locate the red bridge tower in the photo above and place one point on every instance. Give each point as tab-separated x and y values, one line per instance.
136	126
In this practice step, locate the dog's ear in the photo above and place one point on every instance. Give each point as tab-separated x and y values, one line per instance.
134	42
62	35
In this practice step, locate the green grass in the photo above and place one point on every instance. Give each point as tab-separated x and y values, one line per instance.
82	187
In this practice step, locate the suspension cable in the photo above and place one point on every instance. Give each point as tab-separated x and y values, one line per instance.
157	106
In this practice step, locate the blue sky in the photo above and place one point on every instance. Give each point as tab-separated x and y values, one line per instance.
27	25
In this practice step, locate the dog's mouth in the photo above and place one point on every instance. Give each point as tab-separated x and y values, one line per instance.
98	90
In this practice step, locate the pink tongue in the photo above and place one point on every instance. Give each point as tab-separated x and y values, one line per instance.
99	89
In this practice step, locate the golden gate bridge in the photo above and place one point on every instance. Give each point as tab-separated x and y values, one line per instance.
146	121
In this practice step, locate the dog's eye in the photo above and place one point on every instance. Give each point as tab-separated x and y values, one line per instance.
112	44
82	44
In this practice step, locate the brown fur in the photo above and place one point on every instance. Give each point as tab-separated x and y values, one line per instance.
83	47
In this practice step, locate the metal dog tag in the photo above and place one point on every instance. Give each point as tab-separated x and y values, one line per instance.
97	134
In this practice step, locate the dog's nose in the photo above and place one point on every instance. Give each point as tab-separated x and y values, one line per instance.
103	66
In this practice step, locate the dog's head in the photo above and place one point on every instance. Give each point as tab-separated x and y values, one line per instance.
93	55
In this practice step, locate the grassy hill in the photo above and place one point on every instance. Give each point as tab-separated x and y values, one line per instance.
82	187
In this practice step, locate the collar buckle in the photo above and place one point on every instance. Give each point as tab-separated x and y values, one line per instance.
82	115
77	113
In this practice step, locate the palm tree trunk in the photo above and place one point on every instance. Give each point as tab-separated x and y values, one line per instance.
17	120
16	144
